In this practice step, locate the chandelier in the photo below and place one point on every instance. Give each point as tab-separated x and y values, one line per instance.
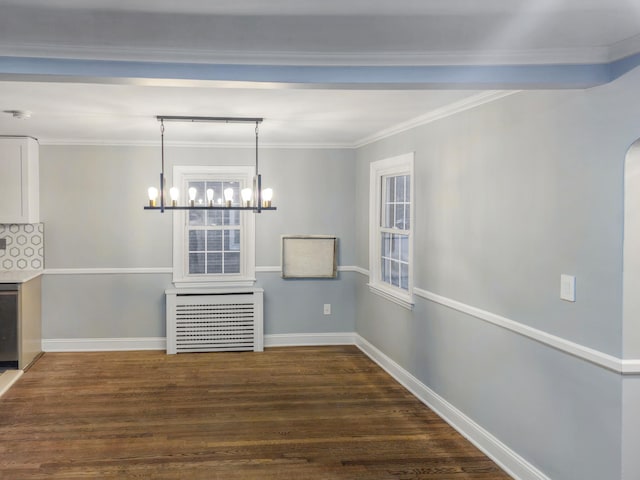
255	199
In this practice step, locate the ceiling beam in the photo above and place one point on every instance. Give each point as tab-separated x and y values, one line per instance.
483	77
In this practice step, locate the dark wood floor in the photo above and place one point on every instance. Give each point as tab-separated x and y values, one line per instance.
288	413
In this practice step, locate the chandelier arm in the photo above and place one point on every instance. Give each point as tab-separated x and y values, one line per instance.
257	171
179	118
162	170
258	182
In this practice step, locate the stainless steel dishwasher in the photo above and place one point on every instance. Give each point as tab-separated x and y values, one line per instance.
8	325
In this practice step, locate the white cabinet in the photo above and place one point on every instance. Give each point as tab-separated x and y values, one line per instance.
19	180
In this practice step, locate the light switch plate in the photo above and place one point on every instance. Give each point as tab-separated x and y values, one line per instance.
3	243
568	288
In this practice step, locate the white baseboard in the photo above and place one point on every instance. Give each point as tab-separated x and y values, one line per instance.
309	339
509	460
7	379
160	343
103	344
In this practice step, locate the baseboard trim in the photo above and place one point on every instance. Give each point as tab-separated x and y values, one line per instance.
103	344
7	379
309	339
160	343
508	460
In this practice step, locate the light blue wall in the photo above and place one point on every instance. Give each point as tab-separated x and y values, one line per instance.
509	196
91	204
630	427
103	306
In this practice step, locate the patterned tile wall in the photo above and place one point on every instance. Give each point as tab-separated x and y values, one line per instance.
24	246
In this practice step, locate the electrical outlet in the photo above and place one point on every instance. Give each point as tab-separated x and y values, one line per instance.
3	243
327	309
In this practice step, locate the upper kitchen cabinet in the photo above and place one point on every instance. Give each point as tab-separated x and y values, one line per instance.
19	180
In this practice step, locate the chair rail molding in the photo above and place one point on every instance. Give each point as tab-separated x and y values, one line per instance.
615	364
604	360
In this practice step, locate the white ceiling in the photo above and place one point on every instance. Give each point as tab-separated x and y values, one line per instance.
95	113
282	32
325	7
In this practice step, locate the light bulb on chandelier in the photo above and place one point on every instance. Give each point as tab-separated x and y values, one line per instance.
253	199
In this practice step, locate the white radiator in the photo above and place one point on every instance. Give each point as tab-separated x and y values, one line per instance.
214	322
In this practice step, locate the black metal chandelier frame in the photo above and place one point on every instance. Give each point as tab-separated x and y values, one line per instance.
258	204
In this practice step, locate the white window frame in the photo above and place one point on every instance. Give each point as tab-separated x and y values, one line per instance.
247	276
399	165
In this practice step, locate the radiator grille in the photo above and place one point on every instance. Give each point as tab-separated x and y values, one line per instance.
213	323
205	327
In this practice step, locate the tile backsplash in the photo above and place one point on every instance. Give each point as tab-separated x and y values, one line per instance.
24	249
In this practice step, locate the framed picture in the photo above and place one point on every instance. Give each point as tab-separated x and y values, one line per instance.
309	256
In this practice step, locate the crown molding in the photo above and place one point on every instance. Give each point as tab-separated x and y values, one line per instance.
437	114
568	56
625	48
72	142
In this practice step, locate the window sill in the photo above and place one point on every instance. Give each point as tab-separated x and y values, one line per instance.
405	300
209	283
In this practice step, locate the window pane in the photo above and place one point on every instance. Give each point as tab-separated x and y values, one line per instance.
399	219
395	274
232	262
407	188
386	244
386	270
394	253
404	276
390	190
387	215
231	217
196	218
395	202
214	217
407	216
196	263
232	240
196	240
404	248
214	263
399	194
386	199
214	240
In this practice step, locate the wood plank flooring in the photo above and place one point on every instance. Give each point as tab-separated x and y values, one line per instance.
288	413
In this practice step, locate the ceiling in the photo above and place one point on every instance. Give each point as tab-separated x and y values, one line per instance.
349	33
97	113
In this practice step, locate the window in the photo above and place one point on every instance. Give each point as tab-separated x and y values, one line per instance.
213	246
214	236
391	229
